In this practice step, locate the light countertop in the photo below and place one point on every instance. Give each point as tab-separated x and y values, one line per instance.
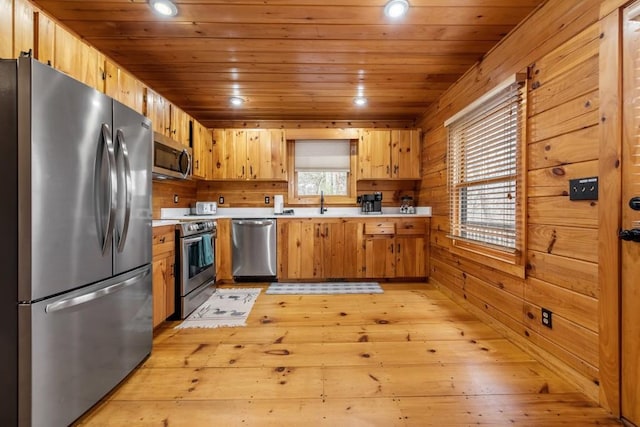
172	216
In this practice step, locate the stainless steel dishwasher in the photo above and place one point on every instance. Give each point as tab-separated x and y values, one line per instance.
254	248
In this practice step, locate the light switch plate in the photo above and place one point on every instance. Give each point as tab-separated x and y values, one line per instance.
583	188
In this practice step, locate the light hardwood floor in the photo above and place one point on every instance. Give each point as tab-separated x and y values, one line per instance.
408	357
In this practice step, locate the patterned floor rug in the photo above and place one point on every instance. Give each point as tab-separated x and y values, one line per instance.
324	288
225	308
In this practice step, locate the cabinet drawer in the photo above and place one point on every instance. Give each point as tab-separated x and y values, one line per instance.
411	226
163	240
374	228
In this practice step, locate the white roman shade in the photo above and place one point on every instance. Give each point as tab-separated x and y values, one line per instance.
322	155
484	140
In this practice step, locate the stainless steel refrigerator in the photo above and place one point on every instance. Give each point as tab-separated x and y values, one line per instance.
75	252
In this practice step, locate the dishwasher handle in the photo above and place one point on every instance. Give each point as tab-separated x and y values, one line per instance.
254	222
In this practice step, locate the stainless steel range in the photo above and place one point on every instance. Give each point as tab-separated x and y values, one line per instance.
195	258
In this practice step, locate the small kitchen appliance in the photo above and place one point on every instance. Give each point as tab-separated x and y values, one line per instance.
371	203
204	208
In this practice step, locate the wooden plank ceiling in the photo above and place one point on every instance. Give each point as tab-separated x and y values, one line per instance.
295	60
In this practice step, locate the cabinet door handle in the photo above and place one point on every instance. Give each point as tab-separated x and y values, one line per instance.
387	169
391	248
251	170
243	171
162	239
398	248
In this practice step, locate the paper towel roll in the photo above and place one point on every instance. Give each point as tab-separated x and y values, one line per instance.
278	203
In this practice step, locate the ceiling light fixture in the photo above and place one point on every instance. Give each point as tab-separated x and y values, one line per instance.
396	8
236	101
164	7
360	101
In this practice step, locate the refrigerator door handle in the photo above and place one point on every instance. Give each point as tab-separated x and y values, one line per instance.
121	148
92	296
105	231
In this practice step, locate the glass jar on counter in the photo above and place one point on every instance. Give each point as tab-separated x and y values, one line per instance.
407	205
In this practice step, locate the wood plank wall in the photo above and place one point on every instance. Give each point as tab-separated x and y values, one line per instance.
559	47
252	193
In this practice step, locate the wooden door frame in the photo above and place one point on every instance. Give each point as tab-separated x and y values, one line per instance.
610	209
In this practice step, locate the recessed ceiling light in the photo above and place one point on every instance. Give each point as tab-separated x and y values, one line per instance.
360	101
396	8
164	7
236	101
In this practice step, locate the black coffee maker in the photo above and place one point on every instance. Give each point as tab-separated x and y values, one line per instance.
371	203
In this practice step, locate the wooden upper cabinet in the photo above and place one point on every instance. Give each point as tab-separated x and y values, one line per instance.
249	154
154	106
202	152
389	154
77	59
229	154
23	28
178	124
405	154
45	39
374	154
6	28
266	157
122	86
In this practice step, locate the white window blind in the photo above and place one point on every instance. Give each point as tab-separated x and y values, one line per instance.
483	166
322	155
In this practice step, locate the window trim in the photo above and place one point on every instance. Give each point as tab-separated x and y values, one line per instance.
506	259
350	199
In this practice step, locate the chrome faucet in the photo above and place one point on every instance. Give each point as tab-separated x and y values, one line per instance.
322	208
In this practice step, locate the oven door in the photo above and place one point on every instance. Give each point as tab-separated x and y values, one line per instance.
197	261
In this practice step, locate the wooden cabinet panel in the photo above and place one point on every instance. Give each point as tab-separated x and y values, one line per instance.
23	27
410	256
77	59
374	154
6	28
379	256
405	154
202	151
325	249
123	87
159	287
45	39
154	106
266	154
389	154
229	154
163	249
249	154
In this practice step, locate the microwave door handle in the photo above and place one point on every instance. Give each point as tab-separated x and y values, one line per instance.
187	169
121	148
105	230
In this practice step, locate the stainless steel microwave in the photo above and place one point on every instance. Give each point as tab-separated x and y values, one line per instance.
171	160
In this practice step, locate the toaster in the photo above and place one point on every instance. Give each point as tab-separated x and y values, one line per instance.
204	208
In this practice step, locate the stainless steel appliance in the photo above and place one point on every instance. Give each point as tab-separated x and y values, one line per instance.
204	208
76	303
195	281
371	203
171	160
253	248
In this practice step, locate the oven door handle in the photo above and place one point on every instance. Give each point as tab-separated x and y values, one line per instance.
192	240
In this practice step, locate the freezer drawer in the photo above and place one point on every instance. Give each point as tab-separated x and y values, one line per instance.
82	344
253	248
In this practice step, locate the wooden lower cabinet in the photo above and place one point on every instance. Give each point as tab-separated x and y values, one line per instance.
342	248
164	288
